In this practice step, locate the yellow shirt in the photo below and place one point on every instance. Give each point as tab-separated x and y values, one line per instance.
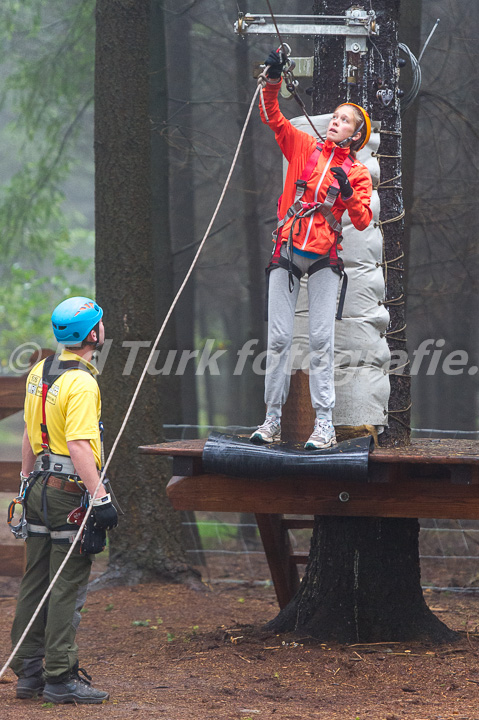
73	408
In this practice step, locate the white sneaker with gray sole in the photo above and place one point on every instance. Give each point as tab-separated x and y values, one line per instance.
269	431
323	435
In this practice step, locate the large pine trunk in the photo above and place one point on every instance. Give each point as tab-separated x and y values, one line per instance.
134	280
362	582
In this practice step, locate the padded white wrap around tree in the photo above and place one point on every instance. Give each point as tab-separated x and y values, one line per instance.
361	352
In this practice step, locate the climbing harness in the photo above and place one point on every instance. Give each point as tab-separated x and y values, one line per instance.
48	379
47	467
299	210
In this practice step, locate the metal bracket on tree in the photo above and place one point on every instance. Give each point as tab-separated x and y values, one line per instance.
356	25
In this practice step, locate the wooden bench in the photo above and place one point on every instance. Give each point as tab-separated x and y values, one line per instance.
428	479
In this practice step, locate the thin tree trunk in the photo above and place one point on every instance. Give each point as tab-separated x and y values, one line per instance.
252	384
179	43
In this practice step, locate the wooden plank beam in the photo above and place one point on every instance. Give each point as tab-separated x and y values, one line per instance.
419	452
307	496
278	551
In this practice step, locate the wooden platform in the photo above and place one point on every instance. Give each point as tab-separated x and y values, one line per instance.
428	479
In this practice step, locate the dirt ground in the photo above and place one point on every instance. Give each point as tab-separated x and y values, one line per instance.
168	652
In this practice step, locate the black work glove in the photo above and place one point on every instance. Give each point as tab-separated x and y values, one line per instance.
343	182
274	64
93	539
104	515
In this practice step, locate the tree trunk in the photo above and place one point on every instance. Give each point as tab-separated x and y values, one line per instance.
362	589
183	227
252	383
410	35
362	582
132	261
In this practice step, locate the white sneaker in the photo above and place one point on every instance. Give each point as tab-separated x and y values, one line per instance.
323	435
269	431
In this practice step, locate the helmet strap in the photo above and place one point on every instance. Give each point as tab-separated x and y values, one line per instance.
95	344
348	139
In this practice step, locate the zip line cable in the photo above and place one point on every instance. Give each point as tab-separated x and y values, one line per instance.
412	93
138	387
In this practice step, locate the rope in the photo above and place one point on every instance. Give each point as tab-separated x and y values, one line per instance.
288	77
394	371
389	333
380	223
137	390
398	420
387	264
393	301
378	155
383	182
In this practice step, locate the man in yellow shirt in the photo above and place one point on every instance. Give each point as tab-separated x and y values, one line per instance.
61	463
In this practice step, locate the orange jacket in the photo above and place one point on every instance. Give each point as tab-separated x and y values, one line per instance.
314	234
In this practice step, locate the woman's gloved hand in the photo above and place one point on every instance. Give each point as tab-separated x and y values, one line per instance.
275	63
343	182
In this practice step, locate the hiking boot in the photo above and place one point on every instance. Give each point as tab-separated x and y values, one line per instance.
269	431
323	435
30	687
74	690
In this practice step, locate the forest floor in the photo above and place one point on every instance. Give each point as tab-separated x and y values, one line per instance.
169	652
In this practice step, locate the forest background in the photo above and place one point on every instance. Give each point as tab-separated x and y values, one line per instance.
47	195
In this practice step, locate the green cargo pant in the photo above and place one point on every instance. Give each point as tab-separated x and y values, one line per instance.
52	635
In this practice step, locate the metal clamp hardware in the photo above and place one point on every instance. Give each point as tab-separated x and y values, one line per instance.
356	25
344	496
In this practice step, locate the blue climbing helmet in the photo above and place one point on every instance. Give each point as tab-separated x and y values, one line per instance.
74	318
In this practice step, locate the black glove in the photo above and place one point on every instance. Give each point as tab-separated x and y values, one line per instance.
343	182
93	539
274	64
104	516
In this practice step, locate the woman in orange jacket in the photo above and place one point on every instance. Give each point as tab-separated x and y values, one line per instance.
308	234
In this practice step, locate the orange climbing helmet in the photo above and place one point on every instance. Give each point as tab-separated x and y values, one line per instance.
366	123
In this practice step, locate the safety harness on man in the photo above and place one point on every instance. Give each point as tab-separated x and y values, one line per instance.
299	210
49	465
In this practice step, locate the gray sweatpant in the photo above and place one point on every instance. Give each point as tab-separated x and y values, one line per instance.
322	297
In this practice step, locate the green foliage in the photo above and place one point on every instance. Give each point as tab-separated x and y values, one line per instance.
47	60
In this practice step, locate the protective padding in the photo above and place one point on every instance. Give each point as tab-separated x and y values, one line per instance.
239	457
361	350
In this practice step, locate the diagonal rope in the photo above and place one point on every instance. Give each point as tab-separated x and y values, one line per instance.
138	387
